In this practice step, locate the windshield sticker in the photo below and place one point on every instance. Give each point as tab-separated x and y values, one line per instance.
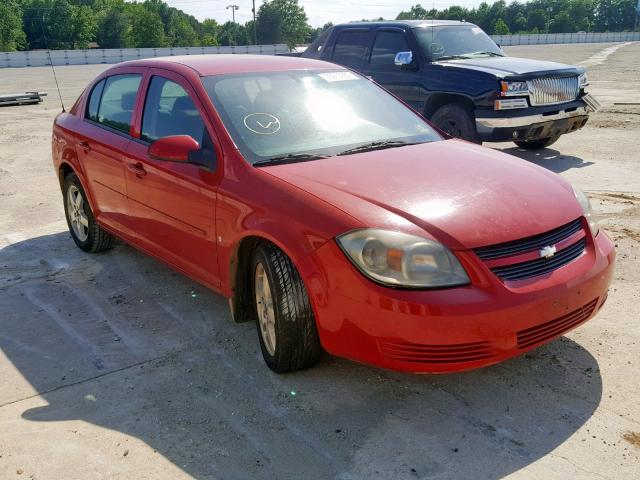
262	123
338	76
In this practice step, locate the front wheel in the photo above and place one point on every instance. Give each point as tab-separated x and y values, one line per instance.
85	231
536	144
284	317
457	121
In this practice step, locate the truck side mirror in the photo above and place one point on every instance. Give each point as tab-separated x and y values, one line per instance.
403	59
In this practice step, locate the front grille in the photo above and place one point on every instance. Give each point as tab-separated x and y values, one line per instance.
553	90
529	244
556	327
414	352
540	266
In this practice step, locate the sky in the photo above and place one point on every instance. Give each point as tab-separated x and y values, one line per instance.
319	12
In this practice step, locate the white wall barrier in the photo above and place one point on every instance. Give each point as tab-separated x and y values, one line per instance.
38	58
547	38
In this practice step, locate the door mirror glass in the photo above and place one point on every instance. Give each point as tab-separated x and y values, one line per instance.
175	148
403	58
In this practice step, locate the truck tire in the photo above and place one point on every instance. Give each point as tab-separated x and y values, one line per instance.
85	231
536	144
284	317
457	121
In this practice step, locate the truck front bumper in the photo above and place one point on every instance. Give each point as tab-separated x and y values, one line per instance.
531	124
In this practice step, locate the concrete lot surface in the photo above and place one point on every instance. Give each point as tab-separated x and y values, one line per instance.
114	366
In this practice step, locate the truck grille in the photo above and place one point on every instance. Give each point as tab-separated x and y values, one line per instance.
552	90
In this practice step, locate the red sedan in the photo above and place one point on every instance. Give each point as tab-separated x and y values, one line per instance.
329	213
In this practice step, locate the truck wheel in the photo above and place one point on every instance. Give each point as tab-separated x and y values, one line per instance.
284	317
85	231
457	121
536	144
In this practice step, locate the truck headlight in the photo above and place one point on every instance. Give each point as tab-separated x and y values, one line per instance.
584	202
402	260
583	81
510	89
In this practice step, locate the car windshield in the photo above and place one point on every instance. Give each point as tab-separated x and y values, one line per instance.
456	41
303	115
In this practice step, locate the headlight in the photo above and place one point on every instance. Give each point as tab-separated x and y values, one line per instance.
584	202
402	260
509	89
582	80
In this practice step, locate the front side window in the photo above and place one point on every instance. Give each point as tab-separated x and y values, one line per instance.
322	112
350	47
118	101
169	110
456	41
386	46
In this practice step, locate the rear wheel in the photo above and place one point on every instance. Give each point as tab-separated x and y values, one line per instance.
284	318
457	121
536	144
84	229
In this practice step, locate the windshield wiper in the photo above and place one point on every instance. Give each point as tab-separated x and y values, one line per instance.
491	54
452	57
368	147
288	158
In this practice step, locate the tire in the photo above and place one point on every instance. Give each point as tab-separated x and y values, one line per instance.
85	231
457	121
536	144
284	317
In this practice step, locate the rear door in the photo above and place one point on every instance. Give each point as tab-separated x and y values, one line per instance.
172	204
103	137
403	82
349	48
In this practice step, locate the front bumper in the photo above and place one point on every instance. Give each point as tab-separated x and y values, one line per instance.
531	123
454	329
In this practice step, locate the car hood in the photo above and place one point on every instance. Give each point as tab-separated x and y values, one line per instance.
511	66
461	194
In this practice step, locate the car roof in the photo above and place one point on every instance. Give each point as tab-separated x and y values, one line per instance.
218	64
405	23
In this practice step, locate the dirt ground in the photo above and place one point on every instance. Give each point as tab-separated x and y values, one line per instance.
114	366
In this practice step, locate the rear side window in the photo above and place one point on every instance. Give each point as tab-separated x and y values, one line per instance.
386	46
118	100
94	101
350	47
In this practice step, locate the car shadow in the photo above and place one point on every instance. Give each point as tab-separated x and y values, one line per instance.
122	342
548	158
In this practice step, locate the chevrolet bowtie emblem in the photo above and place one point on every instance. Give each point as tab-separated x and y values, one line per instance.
548	251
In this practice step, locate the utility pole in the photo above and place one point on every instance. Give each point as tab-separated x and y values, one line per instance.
233	11
637	23
255	31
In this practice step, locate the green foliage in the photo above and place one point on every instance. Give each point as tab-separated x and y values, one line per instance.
500	28
12	36
153	23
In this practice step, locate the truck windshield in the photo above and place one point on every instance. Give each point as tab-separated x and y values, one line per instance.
456	41
305	114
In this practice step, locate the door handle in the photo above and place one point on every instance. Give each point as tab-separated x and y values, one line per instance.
84	144
138	169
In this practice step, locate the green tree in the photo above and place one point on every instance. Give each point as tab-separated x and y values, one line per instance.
114	30
180	33
417	12
147	29
537	19
500	27
12	37
561	23
287	18
231	33
209	32
84	26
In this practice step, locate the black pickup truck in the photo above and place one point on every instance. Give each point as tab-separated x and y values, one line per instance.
459	78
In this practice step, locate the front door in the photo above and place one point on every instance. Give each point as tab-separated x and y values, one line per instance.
402	81
172	204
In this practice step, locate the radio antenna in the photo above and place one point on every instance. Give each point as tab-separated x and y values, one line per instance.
46	45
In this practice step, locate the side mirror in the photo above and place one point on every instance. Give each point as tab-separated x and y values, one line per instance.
175	148
403	59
